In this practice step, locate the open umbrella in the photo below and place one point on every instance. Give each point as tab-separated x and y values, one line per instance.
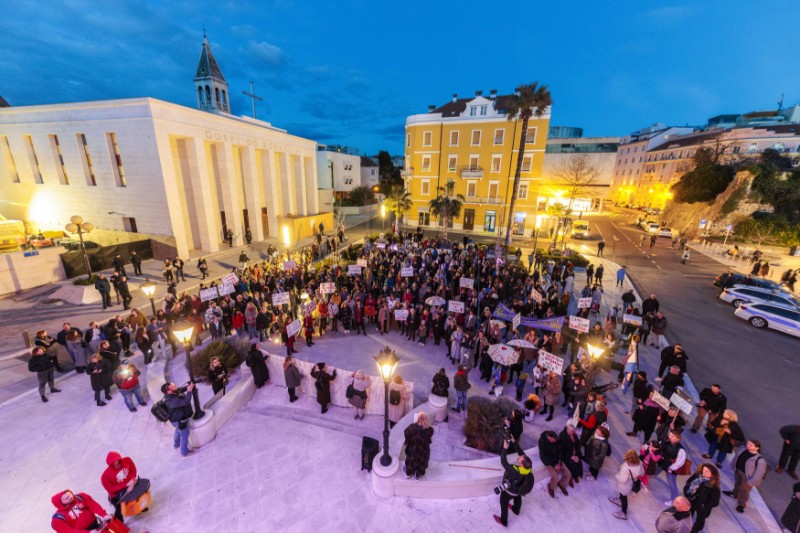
435	300
521	343
498	323
502	354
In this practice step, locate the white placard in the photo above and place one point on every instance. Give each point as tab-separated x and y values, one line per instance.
395	247
660	400
280	298
310	307
681	402
293	328
361	263
208	294
455	306
579	324
584	303
230	278
400	315
536	295
551	362
327	288
515	322
289	265
353	270
466	283
407	272
632	319
380	245
226	288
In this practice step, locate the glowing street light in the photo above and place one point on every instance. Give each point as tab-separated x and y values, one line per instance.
183	331
77	225
149	290
387	362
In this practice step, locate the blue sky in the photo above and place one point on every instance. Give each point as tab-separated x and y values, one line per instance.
349	72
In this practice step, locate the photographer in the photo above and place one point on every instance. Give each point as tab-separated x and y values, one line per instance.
517	482
179	405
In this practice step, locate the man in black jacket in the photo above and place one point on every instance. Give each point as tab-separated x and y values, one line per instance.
790	454
124	292
44	367
179	405
104	288
672	355
119	264
650	305
517	482
136	261
550	455
672	381
713	402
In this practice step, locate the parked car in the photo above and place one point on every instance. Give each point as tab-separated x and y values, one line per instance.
729	279
665	232
652	227
739	295
770	315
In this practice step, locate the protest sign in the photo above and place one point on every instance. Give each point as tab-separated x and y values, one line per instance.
293	328
230	278
327	288
361	263
579	324
353	270
515	322
407	272
280	298
632	319
660	400
226	288
584	303
208	294
400	315
536	295
551	362
455	307
289	265
466	283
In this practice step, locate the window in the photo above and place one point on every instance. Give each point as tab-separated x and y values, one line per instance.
130	224
473	110
408	139
424	218
522	191
113	148
473	162
8	158
526	163
427	138
63	177
34	160
483	110
426	163
531	137
425	187
472	188
778	146
453	138
88	167
753	148
452	161
476	137
497	161
499	137
493	187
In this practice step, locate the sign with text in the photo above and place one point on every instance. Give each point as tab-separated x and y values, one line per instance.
310	307
536	295
208	294
230	278
584	303
226	288
682	402
455	307
661	400
289	265
635	320
380	245
361	263
327	288
407	272
579	324
400	315
293	328
516	321
467	283
280	298
353	270
551	361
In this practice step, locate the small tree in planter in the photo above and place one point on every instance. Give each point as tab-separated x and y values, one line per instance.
483	426
227	351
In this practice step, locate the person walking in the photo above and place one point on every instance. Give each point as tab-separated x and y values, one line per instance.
724	436
77	511
124	292
658	328
462	385
677	518
118	479
630	472
552	392
621	273
202	266
673	457
42	364
517	482
322	382
100	371
790	453
749	471
713	403
550	455
256	361
359	383
702	490
179	405
292	376
418	438
126	378
600	247
598	275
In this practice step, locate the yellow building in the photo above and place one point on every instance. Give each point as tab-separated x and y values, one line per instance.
471	141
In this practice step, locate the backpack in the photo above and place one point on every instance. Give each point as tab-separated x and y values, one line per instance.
160	410
394	397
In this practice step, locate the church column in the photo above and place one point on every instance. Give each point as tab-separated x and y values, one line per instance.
271	181
288	192
299	176
310	168
252	192
203	195
228	191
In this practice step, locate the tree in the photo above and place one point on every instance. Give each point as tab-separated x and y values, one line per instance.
578	173
388	174
398	201
362	196
445	206
705	181
530	100
776	184
559	212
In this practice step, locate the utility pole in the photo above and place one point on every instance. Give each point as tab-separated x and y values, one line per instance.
253	98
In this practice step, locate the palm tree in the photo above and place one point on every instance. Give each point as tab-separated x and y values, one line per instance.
446	206
398	201
559	212
531	100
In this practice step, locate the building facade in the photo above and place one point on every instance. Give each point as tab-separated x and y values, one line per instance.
369	172
471	142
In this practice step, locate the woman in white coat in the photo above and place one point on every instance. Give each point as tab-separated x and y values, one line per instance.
629	471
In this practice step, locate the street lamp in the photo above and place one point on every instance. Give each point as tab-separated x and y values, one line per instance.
387	362
149	290
183	332
77	225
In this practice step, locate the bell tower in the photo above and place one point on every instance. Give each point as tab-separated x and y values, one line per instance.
210	84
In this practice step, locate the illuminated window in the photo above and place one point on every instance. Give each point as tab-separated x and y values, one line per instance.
499	137
88	167
451	163
34	160
426	163
526	163
63	177
116	167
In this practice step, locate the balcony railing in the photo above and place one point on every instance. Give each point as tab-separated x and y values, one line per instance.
407	173
483	200
472	172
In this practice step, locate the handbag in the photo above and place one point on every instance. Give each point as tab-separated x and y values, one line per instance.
350	392
637	483
685	469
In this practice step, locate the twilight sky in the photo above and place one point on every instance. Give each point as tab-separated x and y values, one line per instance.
349	72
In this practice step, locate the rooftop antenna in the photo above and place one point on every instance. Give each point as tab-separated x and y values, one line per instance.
204	31
780	102
253	98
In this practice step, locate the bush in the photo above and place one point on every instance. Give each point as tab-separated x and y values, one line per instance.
228	351
705	181
485	420
769	229
85	281
732	203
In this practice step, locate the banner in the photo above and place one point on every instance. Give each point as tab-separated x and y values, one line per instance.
660	400
579	324
400	315
353	270
632	319
327	288
230	278
280	298
293	328
226	288
407	272
584	303
551	362
516	321
361	263
208	294
466	282
536	295
454	306
289	265
555	323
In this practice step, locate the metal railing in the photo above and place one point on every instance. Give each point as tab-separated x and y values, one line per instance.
482	200
472	172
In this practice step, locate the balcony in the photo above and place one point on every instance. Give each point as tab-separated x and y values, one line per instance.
483	200
472	172
407	173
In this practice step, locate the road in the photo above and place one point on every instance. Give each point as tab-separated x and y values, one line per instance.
758	369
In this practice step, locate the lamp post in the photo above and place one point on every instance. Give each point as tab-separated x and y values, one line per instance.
149	290
387	362
77	225
183	332
594	353
383	217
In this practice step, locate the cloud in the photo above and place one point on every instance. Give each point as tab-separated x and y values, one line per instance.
669	14
267	52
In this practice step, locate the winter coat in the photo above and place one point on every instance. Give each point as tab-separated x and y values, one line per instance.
258	366
418	448
569	446
552	390
755	468
441	385
549	452
674	521
78	515
292	376
460	381
101	380
179	406
706	497
396	412
514	477
115	480
360	386
625	477
596	451
727	441
791	516
40	363
323	385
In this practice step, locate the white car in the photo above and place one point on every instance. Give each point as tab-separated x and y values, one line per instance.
653	227
738	295
665	232
773	316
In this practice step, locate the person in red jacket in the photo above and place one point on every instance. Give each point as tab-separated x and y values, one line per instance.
126	378
118	480
308	326
77	512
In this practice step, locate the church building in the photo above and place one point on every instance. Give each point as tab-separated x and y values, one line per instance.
146	168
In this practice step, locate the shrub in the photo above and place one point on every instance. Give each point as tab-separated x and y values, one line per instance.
85	281
229	356
732	203
485	420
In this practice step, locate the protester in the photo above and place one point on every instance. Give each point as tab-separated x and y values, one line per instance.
418	438
217	375
77	512
749	471
713	403
398	396
292	376
628	475
322	382
179	405
702	490
256	361
43	366
673	457
126	378
596	451
570	447
791	516
550	455
462	385
517	482
360	383
676	518
552	393
724	436
118	479
790	453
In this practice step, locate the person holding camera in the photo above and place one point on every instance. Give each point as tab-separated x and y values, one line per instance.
517	482
179	405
